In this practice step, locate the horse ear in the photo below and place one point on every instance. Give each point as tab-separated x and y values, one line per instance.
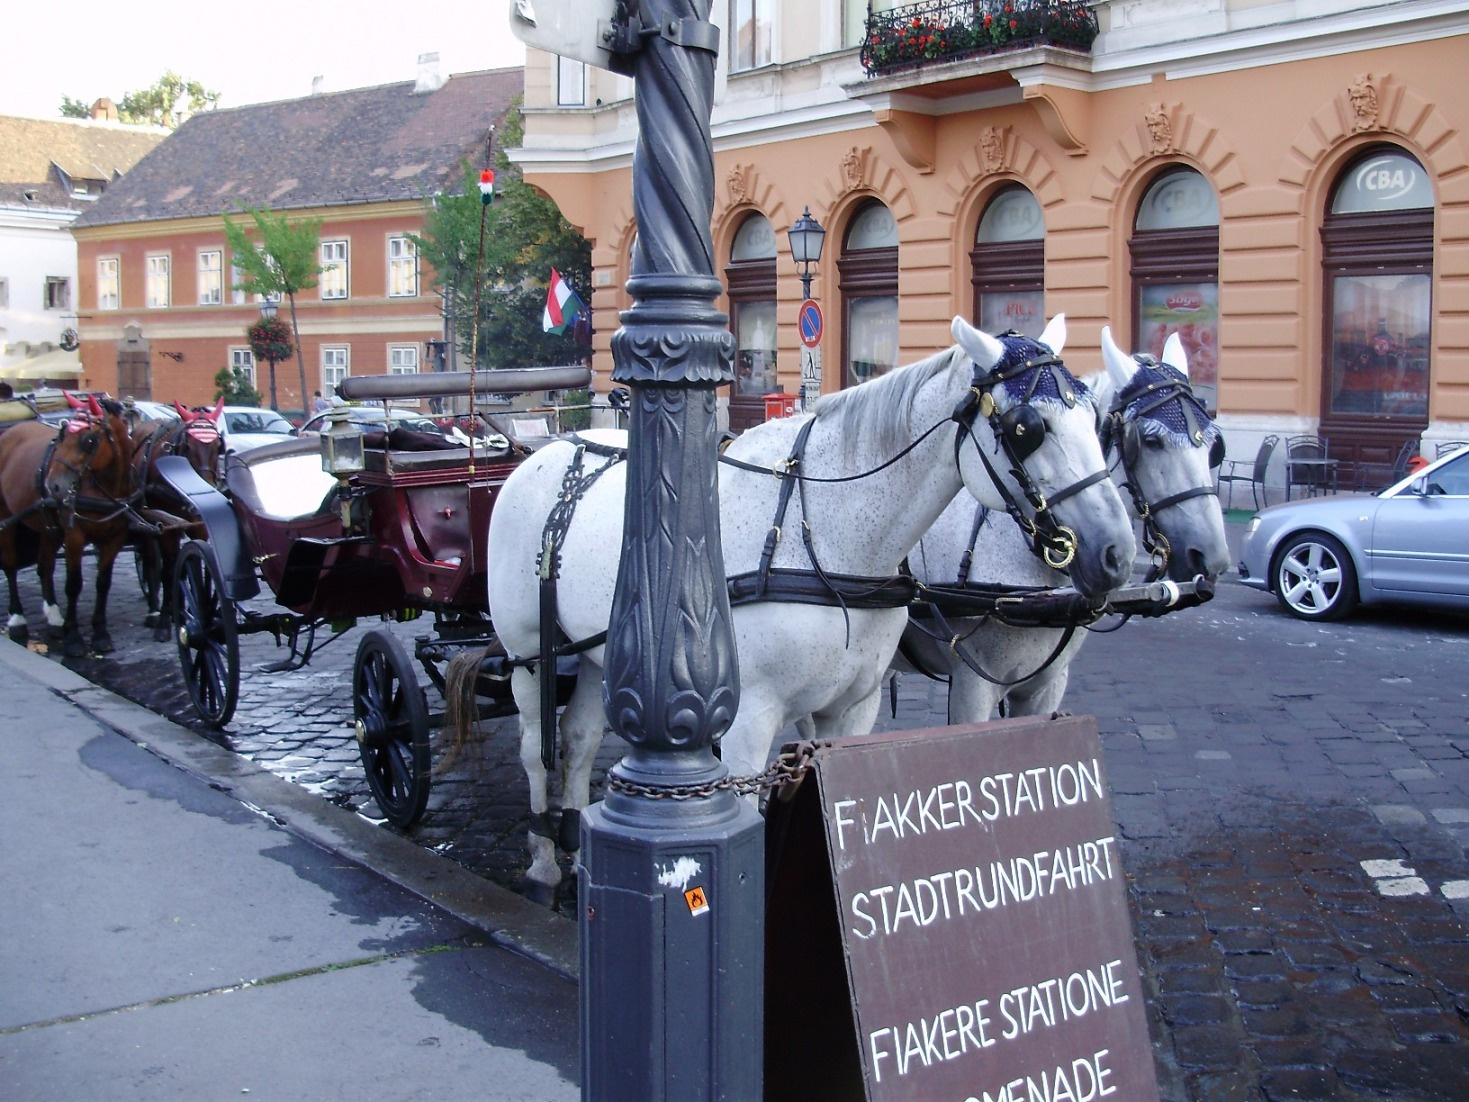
94	407
1120	366
983	349
1054	336
184	415
218	409
71	399
1174	354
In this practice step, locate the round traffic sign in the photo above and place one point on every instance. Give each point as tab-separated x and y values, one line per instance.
811	323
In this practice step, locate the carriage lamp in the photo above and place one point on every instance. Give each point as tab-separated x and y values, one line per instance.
807	237
341	444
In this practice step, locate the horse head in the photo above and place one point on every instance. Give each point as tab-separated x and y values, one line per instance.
1168	446
201	443
1033	429
94	445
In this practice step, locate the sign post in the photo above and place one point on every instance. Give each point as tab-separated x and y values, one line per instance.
972	913
812	326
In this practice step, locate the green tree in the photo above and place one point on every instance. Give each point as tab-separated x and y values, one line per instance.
525	236
233	385
277	258
162	103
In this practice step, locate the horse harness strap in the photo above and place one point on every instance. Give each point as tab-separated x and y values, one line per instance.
574	485
816	586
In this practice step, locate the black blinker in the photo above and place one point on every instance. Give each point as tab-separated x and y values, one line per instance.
1024	428
1216	451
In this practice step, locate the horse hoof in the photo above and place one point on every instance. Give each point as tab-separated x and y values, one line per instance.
20	634
74	648
102	644
152	620
162	633
543	894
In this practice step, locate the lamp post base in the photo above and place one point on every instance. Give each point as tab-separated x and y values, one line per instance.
670	893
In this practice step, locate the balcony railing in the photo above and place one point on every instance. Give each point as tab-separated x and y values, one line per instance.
947	30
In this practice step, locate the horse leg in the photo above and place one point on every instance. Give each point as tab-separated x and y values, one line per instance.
16	626
150	565
73	646
1042	694
972	699
582	723
46	572
544	873
106	557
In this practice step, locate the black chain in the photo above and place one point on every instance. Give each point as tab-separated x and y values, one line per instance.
787	769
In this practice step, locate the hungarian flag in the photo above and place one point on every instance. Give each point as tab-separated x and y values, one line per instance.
563	306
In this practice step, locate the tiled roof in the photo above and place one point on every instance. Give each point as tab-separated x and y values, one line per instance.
31	149
359	146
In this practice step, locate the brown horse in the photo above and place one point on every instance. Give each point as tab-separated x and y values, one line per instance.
194	434
66	488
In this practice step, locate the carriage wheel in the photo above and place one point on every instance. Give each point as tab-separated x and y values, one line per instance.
206	633
392	727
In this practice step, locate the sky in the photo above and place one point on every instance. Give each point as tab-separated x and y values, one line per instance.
249	54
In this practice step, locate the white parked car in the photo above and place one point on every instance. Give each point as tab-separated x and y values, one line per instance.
246	427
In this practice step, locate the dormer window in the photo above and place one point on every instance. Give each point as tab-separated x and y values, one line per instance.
30	194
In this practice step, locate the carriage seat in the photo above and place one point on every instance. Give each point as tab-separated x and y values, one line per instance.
281	481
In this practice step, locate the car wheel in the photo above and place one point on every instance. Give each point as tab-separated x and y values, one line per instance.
1314	578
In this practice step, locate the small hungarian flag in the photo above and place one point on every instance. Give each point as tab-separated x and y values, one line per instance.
562	305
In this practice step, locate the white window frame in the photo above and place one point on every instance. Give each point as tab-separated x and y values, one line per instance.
402	257
761	18
330	266
237	296
571	82
329	370
56	293
403	359
109	283
243	359
158	272
211	279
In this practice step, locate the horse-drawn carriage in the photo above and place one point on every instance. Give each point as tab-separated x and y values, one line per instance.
350	525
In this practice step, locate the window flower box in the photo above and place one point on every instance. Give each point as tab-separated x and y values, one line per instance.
948	30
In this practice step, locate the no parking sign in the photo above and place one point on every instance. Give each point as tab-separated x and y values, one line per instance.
811	323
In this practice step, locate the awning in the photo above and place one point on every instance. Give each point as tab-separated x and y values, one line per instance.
55	364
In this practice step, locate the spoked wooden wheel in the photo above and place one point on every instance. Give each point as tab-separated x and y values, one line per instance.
206	633
392	727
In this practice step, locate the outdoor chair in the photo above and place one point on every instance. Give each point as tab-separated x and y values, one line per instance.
1307	465
1249	470
1374	476
1447	446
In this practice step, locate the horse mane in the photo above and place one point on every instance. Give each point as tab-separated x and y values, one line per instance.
878	415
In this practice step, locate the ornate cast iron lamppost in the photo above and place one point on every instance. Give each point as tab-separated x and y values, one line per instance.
671	890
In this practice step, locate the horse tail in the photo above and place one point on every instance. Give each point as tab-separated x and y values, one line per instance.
461	708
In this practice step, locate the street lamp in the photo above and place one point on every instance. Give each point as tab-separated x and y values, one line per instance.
807	236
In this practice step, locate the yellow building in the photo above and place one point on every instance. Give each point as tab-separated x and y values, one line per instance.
1284	184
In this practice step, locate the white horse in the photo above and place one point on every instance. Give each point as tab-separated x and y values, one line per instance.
799	660
1163	440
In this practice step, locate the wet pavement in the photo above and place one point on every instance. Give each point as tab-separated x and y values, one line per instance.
1291	799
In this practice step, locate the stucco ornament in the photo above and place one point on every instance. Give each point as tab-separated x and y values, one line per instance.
1160	128
737	184
992	143
1364	102
854	167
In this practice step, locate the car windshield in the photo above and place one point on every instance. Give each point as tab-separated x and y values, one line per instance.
369	416
257	421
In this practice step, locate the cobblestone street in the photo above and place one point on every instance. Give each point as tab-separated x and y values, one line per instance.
1291	800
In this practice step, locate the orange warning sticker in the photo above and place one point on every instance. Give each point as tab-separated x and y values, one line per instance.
697	901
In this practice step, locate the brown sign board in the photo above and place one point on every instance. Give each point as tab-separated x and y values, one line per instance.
973	911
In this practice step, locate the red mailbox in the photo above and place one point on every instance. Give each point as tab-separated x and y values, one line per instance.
779	404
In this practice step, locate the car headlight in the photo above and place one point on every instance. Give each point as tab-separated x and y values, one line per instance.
1253	526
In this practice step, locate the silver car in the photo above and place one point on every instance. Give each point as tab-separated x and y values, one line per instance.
1407	544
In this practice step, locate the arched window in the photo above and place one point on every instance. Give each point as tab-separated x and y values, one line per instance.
867	277
1175	274
1008	265
750	278
1377	260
